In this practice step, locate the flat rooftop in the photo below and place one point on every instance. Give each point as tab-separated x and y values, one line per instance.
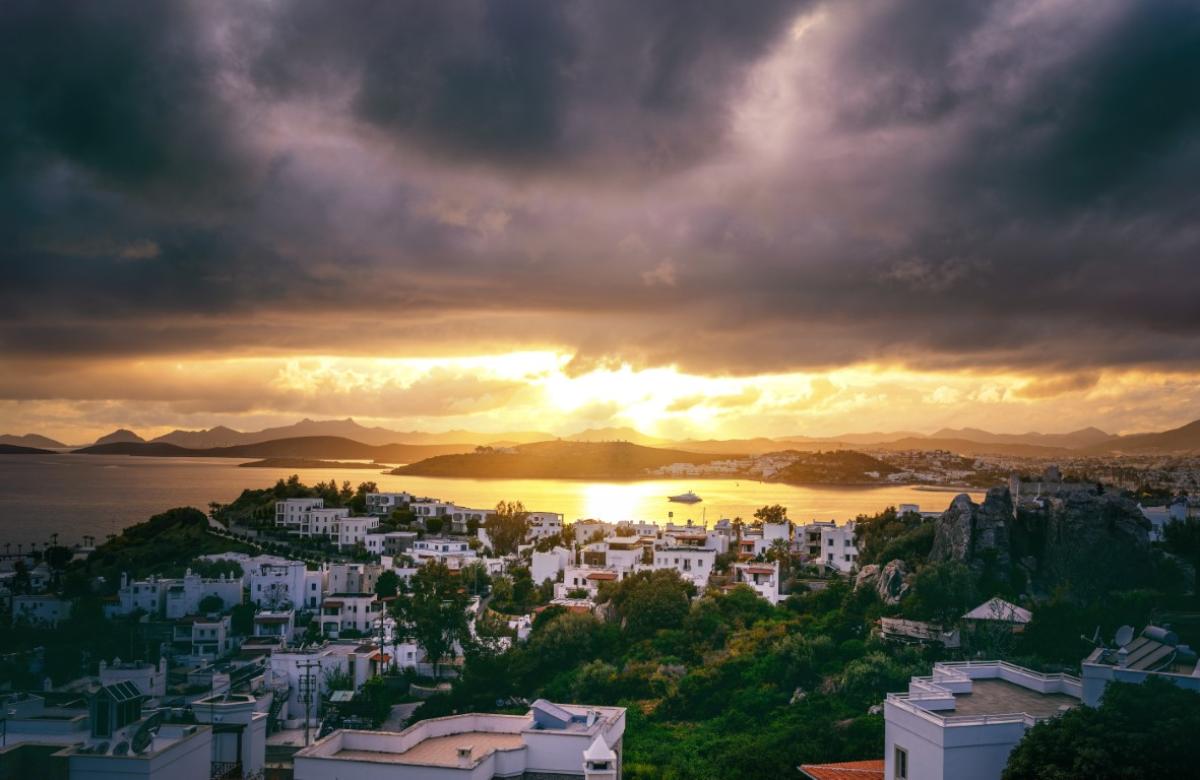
1000	697
440	751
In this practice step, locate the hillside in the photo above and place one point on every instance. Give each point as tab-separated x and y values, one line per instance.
120	436
171	538
555	460
222	436
966	447
31	440
309	463
841	467
1185	438
322	447
1086	437
13	449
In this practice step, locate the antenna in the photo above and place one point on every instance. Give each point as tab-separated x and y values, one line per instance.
1123	636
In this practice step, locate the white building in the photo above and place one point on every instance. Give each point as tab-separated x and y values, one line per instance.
383	504
151	680
325	522
619	553
586	529
586	578
638	527
183	596
962	722
47	611
148	595
285	585
204	638
830	545
305	672
1156	652
694	564
543	524
352	577
547	565
110	739
239	741
551	740
342	612
351	531
280	624
292	513
452	551
763	578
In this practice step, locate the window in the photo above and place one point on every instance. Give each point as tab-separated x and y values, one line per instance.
901	764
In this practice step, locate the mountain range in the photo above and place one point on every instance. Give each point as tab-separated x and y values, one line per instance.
31	440
967	441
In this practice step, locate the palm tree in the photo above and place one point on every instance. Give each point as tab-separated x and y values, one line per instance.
779	551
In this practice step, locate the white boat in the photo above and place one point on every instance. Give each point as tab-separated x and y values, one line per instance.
685	498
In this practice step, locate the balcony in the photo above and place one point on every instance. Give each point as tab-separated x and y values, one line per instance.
226	770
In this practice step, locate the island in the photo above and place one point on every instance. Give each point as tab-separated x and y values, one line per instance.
556	460
309	463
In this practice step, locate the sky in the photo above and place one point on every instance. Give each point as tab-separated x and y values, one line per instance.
696	218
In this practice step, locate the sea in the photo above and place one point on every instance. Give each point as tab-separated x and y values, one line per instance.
97	495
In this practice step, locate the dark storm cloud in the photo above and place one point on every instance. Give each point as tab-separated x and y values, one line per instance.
521	82
950	185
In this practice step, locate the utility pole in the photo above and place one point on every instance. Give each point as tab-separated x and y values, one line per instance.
306	681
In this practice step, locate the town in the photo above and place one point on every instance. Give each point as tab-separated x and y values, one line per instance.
336	631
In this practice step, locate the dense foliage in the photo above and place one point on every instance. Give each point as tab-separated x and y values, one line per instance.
1146	730
726	686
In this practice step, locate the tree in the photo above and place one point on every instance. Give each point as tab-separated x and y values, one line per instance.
210	604
775	513
241	619
649	601
941	592
508	527
1146	730
475	578
1183	538
433	613
387	584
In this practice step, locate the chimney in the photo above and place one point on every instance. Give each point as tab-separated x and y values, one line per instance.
1122	658
464	756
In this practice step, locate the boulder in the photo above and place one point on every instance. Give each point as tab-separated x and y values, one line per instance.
893	582
867	577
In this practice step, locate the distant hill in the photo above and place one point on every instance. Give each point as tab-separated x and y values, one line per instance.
120	436
966	447
555	460
308	463
1183	439
875	437
1085	437
222	436
31	440
844	467
323	447
13	449
618	434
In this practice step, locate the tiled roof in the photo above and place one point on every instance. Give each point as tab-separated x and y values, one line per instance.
847	770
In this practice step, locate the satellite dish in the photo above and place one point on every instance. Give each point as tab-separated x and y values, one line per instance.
1124	636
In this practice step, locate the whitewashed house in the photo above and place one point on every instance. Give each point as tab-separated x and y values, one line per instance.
550	741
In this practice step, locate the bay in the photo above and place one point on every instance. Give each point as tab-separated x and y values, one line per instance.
97	495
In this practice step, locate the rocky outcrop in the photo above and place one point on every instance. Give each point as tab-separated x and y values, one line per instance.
976	534
891	581
1088	541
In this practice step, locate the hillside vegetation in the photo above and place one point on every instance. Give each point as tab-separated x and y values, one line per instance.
554	460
